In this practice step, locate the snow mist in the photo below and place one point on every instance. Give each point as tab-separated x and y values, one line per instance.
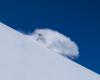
56	42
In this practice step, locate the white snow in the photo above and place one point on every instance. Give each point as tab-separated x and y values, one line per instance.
56	42
22	58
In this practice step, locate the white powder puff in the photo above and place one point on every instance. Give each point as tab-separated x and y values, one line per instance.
56	42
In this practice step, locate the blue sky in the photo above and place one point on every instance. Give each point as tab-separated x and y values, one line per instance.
78	19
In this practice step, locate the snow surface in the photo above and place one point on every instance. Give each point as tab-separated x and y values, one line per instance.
22	58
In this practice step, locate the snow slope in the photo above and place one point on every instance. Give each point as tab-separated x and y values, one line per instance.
21	58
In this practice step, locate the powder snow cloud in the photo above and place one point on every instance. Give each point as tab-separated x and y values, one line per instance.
56	42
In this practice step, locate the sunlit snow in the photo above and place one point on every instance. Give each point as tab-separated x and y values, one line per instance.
22	58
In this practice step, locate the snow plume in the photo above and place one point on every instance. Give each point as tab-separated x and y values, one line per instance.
56	42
